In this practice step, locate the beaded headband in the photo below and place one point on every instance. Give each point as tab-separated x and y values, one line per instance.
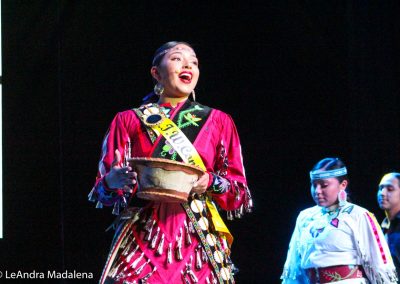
318	174
161	53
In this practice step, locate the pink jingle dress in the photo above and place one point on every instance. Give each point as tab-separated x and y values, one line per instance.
173	242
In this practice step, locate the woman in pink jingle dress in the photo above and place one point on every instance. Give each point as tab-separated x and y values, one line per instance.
163	242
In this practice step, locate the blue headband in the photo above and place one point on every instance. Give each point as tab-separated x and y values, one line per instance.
318	174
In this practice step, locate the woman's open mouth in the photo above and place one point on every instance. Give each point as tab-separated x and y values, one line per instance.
185	77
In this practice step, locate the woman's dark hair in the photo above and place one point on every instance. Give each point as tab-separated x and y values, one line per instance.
158	56
162	50
328	164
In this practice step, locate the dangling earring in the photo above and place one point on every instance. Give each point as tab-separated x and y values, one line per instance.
158	89
342	196
194	96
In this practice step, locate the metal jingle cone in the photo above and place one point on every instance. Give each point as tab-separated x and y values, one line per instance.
125	241
169	254
115	210
140	269
123	202
155	238
241	209
148	224
188	239
178	248
128	258
91	195
239	212
178	253
160	248
120	275
136	262
193	276
148	235
184	278
126	250
199	263
229	215
190	272
113	272
248	201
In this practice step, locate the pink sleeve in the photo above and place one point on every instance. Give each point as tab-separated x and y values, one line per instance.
115	138
229	186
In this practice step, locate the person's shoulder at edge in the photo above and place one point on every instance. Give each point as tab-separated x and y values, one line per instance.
352	207
127	118
221	116
355	211
127	113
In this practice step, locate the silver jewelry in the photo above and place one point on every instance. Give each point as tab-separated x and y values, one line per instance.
158	89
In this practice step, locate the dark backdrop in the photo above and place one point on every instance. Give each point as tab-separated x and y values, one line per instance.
302	79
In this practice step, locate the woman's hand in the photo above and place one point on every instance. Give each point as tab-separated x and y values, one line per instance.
200	186
120	177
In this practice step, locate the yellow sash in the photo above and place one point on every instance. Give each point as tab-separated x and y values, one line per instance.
181	144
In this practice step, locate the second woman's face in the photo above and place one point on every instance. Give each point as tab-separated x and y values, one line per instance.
325	191
178	71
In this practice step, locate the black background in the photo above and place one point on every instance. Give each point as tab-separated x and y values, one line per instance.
303	80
